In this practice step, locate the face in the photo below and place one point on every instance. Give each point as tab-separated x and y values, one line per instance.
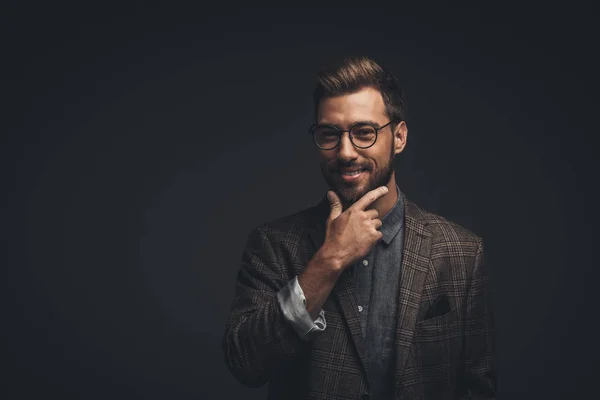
376	162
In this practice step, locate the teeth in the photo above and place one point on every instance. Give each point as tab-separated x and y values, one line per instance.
353	173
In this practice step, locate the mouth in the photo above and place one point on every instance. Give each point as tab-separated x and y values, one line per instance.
352	175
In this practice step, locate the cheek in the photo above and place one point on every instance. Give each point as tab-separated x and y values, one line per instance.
326	159
372	161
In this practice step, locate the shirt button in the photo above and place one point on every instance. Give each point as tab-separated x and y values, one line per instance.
365	262
360	308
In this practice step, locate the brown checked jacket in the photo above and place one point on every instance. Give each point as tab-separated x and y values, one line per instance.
445	340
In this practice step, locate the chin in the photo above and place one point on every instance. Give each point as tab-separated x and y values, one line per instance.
348	192
352	193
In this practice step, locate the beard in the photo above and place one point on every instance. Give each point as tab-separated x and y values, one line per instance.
350	192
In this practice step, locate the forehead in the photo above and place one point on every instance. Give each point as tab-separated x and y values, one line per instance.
366	104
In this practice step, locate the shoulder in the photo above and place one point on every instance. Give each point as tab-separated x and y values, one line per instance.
443	228
443	232
289	227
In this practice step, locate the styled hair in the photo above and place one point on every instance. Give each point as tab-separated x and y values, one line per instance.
353	74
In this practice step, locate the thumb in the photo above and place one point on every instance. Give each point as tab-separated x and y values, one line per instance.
336	205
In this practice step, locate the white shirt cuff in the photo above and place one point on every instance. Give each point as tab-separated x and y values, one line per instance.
293	304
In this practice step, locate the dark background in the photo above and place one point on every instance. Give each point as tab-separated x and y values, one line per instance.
142	144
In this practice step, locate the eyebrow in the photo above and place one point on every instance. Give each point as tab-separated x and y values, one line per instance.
369	122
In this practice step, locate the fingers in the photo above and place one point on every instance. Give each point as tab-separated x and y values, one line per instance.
335	204
370	197
377	223
372	213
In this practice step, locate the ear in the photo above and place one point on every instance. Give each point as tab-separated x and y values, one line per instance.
400	137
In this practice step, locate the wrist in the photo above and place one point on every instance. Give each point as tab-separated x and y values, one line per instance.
329	259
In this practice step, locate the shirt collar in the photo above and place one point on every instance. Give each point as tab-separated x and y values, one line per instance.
393	220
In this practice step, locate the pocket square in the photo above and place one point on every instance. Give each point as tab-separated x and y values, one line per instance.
440	306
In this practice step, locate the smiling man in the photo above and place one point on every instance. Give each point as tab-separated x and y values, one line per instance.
364	295
349	175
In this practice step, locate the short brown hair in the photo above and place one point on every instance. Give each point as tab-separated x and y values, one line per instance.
355	73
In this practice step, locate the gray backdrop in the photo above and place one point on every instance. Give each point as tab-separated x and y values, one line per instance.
143	144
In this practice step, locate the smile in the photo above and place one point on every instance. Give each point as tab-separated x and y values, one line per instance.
354	172
351	176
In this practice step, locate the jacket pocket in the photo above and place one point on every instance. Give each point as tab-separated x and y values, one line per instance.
437	343
437	328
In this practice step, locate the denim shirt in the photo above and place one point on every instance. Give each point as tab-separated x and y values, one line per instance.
376	281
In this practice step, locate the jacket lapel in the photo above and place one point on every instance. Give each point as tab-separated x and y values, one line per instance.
344	290
414	270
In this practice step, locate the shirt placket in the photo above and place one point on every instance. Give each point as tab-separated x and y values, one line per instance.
363	283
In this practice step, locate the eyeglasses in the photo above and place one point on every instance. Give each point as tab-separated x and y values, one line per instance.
362	135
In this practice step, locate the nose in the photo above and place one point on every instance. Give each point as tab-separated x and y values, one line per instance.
346	150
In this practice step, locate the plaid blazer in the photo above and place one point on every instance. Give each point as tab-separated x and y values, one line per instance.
445	341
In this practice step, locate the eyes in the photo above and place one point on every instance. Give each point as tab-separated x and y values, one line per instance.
361	132
362	135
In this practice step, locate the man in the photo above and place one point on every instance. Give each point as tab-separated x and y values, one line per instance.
365	295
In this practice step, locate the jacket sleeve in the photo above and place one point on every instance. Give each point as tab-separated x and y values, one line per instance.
257	335
479	352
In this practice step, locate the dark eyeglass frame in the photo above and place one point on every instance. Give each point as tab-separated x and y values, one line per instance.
341	132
